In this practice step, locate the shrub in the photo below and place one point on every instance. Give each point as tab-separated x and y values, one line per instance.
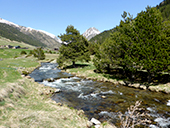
23	53
133	117
39	53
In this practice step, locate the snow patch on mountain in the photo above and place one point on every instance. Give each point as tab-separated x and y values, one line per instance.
29	29
7	22
90	33
47	33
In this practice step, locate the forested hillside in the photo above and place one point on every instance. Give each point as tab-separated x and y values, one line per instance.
11	33
138	44
100	38
164	8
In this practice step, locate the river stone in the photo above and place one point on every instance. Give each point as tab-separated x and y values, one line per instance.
23	76
168	104
104	97
54	61
89	124
122	82
97	126
167	91
28	77
57	90
50	79
95	121
143	87
136	85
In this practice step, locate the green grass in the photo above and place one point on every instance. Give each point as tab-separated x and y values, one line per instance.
2	103
87	70
9	65
4	41
22	104
11	53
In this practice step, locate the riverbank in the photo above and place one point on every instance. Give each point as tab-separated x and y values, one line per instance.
25	103
87	72
28	104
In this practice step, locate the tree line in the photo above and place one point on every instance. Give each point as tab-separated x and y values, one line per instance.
140	43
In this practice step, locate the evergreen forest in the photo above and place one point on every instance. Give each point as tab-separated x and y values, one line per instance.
138	44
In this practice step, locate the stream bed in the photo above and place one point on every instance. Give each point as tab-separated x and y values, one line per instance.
102	100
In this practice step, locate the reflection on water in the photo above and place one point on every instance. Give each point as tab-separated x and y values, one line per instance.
102	100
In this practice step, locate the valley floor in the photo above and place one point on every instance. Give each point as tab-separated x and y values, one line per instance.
25	103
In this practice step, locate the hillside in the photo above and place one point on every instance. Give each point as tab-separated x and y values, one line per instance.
13	34
164	7
100	38
28	35
5	41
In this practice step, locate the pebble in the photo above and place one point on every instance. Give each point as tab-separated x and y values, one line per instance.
168	104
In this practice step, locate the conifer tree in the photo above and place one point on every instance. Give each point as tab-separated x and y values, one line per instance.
74	49
152	47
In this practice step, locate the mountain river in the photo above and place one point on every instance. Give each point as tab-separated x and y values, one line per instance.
102	100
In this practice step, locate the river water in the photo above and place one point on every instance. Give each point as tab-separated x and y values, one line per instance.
102	100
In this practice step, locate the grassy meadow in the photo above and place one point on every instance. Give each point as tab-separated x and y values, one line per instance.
24	103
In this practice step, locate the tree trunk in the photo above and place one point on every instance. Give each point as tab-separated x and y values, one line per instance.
74	65
149	77
132	76
108	68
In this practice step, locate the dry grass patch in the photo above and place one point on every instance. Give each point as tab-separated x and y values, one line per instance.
36	109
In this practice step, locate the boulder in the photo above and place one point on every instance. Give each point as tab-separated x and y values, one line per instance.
95	121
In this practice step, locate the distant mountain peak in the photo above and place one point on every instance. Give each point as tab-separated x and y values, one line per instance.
90	33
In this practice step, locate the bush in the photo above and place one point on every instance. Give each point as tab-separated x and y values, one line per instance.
133	117
39	53
31	52
25	73
23	53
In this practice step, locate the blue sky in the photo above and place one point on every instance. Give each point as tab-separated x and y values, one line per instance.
54	16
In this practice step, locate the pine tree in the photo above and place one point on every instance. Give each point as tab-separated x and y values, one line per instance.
152	47
74	49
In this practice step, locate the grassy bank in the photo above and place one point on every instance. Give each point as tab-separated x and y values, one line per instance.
27	104
24	103
87	70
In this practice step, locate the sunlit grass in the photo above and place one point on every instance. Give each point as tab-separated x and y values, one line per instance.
24	103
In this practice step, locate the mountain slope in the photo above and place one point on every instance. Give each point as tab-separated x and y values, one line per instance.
28	35
164	7
90	33
100	38
13	34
